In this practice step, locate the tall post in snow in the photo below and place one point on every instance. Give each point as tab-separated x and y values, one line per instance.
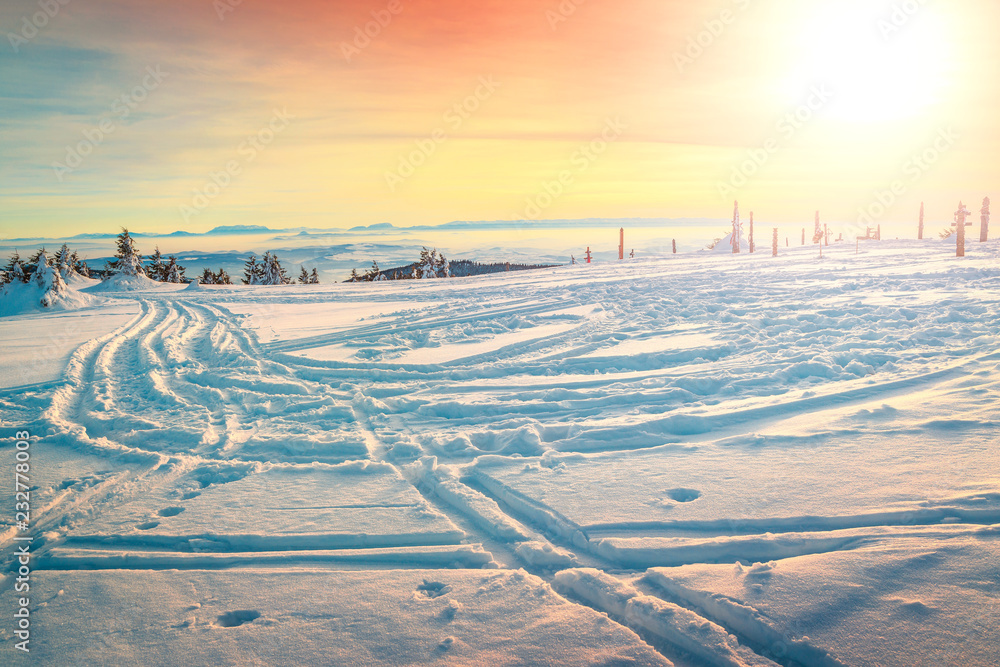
817	231
752	248
826	235
588	255
774	243
920	229
960	224
984	230
737	236
621	244
675	246
803	236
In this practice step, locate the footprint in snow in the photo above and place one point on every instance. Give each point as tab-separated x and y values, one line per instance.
232	619
433	589
170	511
684	495
149	525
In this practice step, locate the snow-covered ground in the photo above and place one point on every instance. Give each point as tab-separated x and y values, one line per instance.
698	458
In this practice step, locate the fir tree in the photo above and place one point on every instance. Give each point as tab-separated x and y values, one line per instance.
426	267
207	277
64	261
15	268
441	268
127	261
251	271
157	270
303	276
374	273
272	273
47	277
314	277
34	261
174	271
354	276
222	278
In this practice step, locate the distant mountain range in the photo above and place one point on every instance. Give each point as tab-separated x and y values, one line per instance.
459	225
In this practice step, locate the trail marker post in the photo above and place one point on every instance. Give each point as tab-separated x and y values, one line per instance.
737	236
621	244
675	246
920	228
960	224
752	248
774	243
984	230
588	255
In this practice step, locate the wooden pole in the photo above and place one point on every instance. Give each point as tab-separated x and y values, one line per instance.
737	230
803	236
960	224
621	244
675	246
984	230
920	229
752	248
774	244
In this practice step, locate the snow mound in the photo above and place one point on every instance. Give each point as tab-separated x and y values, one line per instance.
18	298
124	283
725	246
194	284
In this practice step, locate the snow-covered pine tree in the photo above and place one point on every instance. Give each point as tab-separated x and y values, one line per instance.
430	271
303	276
157	270
15	268
127	261
207	277
441	267
422	263
355	277
374	273
79	265
314	277
48	279
222	278
251	271
64	262
174	271
272	272
34	261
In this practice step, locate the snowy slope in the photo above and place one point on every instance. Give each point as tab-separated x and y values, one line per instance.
701	459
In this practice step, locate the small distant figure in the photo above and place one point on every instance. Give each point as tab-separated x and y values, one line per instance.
632	254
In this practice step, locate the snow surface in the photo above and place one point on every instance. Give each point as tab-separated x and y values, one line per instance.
699	459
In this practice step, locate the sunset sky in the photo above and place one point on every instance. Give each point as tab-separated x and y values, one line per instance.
609	96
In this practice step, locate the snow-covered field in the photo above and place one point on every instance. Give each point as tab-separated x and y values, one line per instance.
698	459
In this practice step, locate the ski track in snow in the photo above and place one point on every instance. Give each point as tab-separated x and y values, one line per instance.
489	456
